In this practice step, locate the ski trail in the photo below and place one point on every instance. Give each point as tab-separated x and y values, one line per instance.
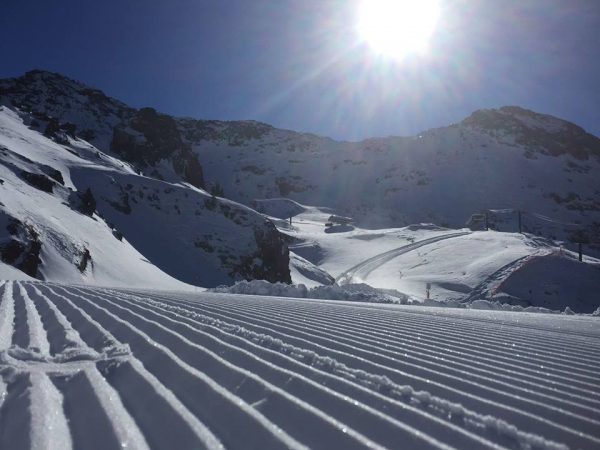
497	341
135	387
298	414
370	362
182	378
320	395
424	331
360	271
517	415
403	343
371	381
463	367
96	368
294	322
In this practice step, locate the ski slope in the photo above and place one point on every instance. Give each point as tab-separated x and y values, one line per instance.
363	269
97	368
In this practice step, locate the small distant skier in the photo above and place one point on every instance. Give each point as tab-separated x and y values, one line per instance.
290	220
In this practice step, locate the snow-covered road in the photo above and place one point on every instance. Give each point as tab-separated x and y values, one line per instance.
93	368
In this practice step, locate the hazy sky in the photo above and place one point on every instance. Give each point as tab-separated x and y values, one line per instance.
299	64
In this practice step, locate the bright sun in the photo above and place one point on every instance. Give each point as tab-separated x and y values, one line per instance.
396	28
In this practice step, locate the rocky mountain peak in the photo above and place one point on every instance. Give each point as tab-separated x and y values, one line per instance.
538	133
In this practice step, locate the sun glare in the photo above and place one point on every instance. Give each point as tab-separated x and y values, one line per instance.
395	28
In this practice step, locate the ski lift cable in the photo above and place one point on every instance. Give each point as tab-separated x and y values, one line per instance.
548	219
536	215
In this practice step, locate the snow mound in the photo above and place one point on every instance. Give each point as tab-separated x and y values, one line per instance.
556	282
350	292
305	272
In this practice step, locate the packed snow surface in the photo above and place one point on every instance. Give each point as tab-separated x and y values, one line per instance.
427	262
98	368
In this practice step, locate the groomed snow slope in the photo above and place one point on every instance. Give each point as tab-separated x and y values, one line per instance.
100	369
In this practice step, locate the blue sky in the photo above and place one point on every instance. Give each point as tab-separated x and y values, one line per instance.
299	64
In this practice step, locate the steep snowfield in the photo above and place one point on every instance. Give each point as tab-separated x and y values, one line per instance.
105	369
144	232
64	233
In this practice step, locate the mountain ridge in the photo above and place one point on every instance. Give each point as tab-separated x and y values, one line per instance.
509	158
99	94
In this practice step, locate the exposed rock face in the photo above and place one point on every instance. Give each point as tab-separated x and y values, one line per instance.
191	235
22	248
64	108
537	132
150	137
273	254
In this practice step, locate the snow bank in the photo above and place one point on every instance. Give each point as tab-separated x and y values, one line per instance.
495	305
348	292
365	293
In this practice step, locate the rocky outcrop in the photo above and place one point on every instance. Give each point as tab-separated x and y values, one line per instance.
22	247
270	262
537	132
63	108
149	137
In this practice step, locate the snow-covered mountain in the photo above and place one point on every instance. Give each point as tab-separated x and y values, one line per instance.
71	213
93	192
146	172
509	158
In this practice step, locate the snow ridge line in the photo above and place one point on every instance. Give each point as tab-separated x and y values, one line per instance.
38	338
49	425
492	282
381	384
